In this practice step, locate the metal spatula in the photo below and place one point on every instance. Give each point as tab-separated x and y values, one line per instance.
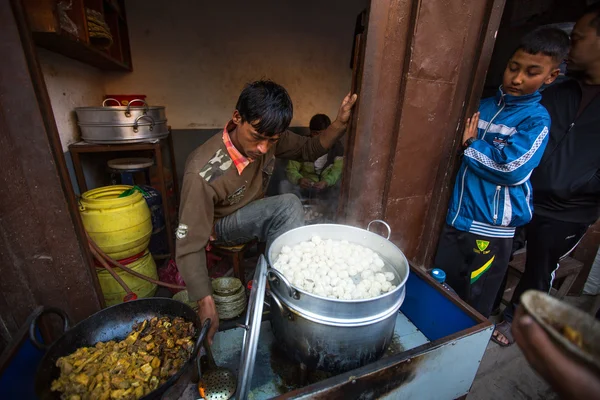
216	383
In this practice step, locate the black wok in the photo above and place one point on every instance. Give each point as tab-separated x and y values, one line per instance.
113	323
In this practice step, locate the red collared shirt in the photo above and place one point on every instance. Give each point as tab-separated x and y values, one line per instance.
238	159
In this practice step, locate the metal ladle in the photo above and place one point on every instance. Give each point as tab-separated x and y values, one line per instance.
216	383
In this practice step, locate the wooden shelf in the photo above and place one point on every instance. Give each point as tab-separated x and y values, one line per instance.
71	39
79	51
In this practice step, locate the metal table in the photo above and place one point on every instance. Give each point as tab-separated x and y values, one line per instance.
438	344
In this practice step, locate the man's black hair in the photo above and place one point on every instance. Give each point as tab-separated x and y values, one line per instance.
267	106
319	122
595	22
551	42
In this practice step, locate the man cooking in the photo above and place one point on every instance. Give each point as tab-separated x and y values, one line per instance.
225	180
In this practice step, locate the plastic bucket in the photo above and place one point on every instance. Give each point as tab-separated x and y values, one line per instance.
120	226
111	289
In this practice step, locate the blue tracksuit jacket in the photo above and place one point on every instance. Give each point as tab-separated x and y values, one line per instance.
492	194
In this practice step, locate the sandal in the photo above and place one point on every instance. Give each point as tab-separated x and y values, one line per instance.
503	328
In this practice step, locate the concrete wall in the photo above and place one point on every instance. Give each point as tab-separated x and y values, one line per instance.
70	84
195	57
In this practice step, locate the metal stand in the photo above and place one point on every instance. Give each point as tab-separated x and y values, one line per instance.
156	150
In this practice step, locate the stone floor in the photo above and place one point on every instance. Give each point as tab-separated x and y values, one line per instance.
504	373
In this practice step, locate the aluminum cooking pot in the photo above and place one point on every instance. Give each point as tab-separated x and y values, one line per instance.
123	124
119	115
331	334
143	128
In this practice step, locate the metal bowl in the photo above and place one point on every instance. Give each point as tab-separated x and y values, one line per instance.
551	314
309	210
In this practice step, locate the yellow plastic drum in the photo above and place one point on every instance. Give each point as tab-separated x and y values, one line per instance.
142	263
121	227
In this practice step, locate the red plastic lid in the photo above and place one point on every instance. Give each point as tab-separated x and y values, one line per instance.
131	96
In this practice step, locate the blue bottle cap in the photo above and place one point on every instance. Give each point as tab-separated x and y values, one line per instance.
439	275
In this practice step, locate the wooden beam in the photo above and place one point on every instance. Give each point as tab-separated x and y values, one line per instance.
43	259
423	70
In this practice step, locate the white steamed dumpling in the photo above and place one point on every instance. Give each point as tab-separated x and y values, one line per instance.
335	269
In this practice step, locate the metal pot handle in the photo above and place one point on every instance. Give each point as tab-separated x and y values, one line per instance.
279	277
283	309
389	233
110	98
135	124
36	316
128	111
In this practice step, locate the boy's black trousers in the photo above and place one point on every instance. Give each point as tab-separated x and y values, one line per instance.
475	265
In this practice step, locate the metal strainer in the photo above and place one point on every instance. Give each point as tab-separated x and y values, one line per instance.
216	383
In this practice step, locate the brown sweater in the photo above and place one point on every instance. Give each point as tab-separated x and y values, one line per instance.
213	189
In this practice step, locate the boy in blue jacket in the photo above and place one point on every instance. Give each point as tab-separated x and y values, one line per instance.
504	141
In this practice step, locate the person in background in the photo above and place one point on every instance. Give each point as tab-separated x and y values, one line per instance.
319	178
566	185
226	177
569	378
503	142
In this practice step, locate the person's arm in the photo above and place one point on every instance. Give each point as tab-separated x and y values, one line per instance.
291	146
301	148
332	173
292	170
513	164
569	378
195	225
295	176
338	127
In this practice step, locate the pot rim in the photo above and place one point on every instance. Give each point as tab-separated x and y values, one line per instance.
137	139
120	108
399	286
120	124
341	322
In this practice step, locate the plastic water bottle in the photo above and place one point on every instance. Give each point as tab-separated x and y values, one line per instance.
440	276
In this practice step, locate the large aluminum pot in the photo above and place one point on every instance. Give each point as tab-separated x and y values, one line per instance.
118	115
114	125
330	334
143	128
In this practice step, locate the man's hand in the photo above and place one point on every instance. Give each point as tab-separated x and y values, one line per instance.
207	309
569	378
338	127
305	183
345	110
320	185
471	127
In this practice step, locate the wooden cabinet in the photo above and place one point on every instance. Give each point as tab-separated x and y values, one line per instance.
91	31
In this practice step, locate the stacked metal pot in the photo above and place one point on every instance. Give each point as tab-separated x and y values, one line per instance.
136	122
330	334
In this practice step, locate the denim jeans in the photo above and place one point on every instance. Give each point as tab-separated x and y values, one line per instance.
265	219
